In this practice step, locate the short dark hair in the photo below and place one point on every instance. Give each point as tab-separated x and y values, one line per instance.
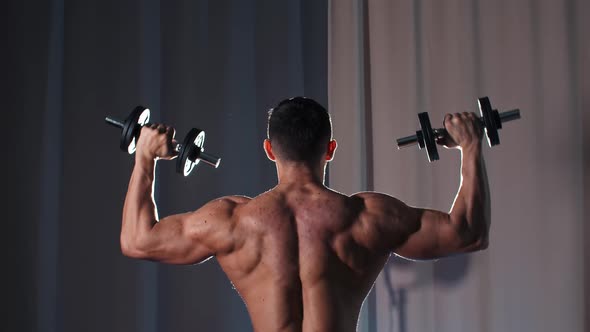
299	129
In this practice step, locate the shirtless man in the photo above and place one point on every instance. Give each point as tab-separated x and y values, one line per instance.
303	257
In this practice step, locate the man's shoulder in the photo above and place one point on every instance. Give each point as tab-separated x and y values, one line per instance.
236	199
372	200
370	196
224	206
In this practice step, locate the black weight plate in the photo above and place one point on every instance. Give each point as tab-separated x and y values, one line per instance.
132	127
497	119
195	152
420	139
428	135
490	127
192	146
129	128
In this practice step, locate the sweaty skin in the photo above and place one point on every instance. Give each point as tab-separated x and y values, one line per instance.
302	256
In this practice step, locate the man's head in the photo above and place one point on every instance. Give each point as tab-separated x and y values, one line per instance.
299	130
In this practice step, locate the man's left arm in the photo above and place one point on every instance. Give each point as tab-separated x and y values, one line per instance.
178	239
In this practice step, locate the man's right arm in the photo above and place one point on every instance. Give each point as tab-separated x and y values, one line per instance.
388	224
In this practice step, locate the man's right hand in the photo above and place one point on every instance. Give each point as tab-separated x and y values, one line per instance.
156	141
464	130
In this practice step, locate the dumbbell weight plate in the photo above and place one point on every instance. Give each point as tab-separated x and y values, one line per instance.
490	124
192	146
130	132
428	136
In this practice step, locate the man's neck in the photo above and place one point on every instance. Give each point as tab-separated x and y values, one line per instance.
300	173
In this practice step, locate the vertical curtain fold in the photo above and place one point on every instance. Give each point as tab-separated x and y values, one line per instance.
48	238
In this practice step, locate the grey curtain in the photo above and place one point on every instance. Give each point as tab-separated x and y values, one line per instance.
389	60
216	65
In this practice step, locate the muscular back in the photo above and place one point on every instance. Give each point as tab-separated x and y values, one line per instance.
302	256
296	260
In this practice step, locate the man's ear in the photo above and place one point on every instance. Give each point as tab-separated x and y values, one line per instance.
332	145
268	150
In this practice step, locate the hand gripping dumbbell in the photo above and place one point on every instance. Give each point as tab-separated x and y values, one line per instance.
190	151
491	120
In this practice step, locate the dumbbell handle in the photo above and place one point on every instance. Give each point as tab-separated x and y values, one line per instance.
208	159
114	122
441	132
203	156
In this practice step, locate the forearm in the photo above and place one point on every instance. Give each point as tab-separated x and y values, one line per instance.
139	211
471	209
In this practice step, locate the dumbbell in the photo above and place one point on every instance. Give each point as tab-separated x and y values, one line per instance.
190	151
491	120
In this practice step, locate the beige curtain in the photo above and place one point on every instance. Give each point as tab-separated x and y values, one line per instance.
390	59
